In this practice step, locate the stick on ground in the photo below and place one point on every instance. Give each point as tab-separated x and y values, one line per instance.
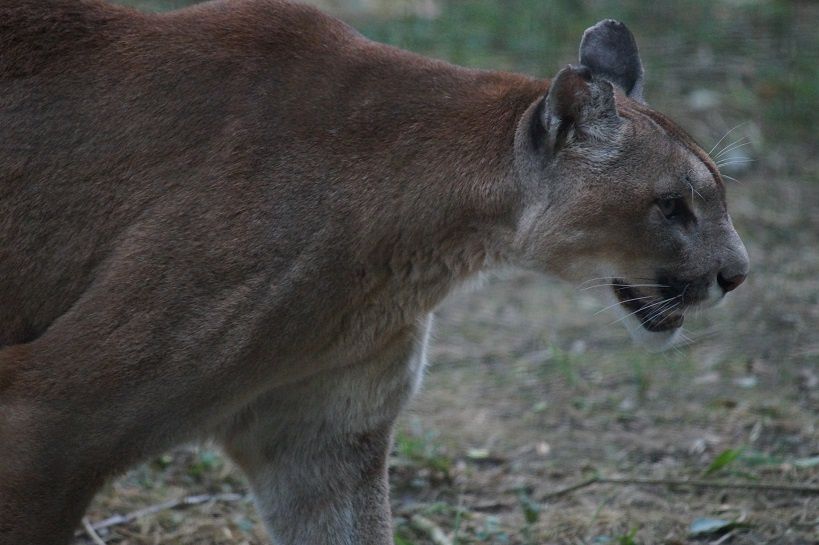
117	520
770	487
90	532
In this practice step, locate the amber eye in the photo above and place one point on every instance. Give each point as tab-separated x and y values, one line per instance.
671	206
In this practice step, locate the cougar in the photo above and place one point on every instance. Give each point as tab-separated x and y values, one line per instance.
234	222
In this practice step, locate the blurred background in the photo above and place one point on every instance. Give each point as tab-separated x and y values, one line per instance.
531	391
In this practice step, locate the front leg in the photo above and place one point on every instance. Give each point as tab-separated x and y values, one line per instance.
316	451
334	492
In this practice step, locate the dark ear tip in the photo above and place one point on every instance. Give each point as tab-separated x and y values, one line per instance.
608	25
607	31
612	22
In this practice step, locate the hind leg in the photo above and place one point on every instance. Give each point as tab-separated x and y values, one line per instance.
134	367
44	485
46	478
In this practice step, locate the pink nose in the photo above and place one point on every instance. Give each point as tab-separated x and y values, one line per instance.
730	284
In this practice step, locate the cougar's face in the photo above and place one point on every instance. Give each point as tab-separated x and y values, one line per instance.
695	256
668	244
621	199
642	218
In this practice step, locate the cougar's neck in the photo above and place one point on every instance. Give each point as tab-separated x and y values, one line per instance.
450	197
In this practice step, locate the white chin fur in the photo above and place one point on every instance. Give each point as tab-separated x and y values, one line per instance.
655	341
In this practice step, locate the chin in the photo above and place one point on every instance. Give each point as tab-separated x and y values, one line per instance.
654	312
654	321
655	341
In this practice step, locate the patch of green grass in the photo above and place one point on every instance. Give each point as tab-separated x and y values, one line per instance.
204	462
531	515
628	538
401	540
566	364
421	450
722	461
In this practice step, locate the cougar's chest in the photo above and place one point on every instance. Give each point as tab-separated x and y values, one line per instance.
348	399
371	392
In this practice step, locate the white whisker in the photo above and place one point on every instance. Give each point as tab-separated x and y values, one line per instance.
665	309
593	280
724	136
620	303
624	286
737	160
642	308
732	147
694	191
657	311
734	162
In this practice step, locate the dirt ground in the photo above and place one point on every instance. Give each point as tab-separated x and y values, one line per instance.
529	392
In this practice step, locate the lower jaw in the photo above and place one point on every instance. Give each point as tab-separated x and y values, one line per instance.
653	341
667	324
654	324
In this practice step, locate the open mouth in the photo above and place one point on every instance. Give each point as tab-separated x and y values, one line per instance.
655	313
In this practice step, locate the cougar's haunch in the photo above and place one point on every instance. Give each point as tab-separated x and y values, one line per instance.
233	222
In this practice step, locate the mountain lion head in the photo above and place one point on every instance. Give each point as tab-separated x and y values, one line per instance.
621	197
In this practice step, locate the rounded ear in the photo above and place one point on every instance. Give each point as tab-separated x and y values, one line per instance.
609	50
578	107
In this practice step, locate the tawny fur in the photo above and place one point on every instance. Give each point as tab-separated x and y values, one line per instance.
233	221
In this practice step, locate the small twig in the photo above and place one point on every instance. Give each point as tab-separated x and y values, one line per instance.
491	506
724	538
435	533
117	520
771	487
90	532
570	489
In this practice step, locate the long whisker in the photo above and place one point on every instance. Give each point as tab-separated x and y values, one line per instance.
688	340
594	280
706	334
624	286
734	162
612	278
642	308
729	150
663	310
657	312
741	143
724	136
694	191
602	310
